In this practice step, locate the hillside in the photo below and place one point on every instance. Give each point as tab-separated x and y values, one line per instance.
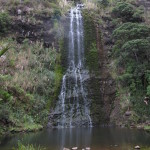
124	56
30	72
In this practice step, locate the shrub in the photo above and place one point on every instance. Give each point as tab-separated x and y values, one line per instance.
103	3
4	22
56	14
137	49
28	147
127	12
129	31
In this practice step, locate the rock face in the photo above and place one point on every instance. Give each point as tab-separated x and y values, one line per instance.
101	86
145	3
73	106
74	148
128	113
88	90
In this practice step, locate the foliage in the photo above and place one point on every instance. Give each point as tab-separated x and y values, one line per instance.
93	58
131	53
27	86
91	53
147	128
57	13
28	147
103	3
138	50
127	12
4	22
129	31
3	48
30	75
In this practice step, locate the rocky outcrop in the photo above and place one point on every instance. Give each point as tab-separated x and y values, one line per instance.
101	86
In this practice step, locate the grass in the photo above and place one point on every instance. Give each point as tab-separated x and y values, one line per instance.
147	128
147	148
32	74
27	128
27	147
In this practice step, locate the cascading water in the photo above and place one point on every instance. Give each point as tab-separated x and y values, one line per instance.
73	105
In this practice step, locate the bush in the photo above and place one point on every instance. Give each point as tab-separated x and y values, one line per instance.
103	3
127	12
131	51
28	147
129	31
25	93
4	22
56	14
137	49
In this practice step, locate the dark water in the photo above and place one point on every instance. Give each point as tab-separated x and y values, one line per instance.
95	138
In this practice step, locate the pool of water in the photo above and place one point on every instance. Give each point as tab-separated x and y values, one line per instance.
95	138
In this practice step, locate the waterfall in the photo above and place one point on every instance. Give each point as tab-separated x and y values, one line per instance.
73	107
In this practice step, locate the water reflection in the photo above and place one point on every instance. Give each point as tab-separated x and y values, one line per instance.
74	137
96	138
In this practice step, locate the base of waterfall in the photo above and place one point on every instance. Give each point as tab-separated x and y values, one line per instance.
79	121
76	148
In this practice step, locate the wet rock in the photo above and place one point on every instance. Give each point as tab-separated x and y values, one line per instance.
19	11
140	127
137	147
66	148
74	148
128	113
80	5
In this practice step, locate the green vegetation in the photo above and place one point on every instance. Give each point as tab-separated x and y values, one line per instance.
93	58
131	54
127	12
129	31
30	74
103	3
28	147
5	21
147	128
91	53
27	86
3	50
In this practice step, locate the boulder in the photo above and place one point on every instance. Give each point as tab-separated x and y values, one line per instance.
137	147
66	148
74	148
19	11
128	113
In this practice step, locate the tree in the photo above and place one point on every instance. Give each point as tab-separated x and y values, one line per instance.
103	3
137	49
129	31
127	12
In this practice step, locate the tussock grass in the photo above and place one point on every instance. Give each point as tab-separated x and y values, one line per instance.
28	78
